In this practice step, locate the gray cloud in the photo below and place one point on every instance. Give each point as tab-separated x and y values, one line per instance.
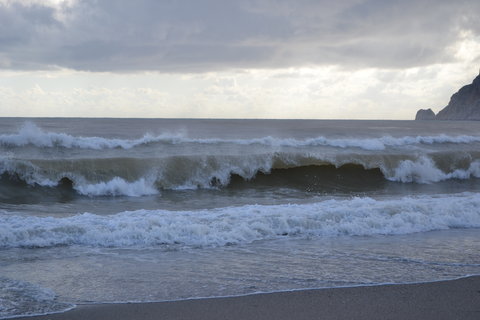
186	36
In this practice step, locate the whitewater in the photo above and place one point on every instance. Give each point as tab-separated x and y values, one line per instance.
121	210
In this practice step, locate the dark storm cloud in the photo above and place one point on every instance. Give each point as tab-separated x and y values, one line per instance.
183	36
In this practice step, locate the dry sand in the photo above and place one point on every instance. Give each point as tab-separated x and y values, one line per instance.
456	299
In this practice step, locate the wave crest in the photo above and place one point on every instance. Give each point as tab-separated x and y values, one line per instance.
245	224
30	134
138	177
424	170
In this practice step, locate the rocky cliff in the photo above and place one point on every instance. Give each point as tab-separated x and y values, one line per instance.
463	105
425	114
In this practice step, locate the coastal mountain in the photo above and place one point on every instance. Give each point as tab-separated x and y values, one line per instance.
463	105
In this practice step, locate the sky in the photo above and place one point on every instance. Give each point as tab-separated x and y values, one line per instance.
310	59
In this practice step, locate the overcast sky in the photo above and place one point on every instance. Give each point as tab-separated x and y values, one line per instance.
353	59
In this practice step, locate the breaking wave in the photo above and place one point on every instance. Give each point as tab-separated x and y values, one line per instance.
424	170
318	164
30	134
245	224
140	177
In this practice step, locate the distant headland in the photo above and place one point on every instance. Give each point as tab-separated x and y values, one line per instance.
463	105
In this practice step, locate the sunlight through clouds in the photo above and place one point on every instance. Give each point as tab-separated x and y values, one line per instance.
354	60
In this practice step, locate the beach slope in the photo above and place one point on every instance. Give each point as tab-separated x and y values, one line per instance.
456	299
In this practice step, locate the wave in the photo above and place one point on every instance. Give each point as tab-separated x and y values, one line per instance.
30	134
27	299
140	172
139	177
118	187
245	224
424	170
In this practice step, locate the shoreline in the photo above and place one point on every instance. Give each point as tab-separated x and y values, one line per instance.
451	299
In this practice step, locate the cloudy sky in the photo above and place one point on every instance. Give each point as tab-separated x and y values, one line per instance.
348	59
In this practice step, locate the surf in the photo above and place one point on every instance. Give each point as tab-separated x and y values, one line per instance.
138	177
360	216
29	134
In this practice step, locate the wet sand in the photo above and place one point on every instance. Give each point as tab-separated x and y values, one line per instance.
456	299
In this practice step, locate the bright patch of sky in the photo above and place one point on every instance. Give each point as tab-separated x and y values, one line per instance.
214	59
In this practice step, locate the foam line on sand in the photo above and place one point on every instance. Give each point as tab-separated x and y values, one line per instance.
455	299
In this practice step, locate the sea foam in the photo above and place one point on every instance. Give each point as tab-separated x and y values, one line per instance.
139	177
30	134
244	224
424	170
23	298
118	187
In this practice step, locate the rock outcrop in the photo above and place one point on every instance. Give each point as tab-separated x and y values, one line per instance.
463	105
425	114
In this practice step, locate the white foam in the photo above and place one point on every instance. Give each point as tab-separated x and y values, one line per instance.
25	170
118	187
18	298
30	134
208	172
424	170
237	225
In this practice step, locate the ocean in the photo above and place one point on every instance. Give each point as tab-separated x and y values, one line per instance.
137	210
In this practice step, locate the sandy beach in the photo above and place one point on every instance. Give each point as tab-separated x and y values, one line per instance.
456	299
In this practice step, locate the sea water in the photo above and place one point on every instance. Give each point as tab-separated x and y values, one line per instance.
122	210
